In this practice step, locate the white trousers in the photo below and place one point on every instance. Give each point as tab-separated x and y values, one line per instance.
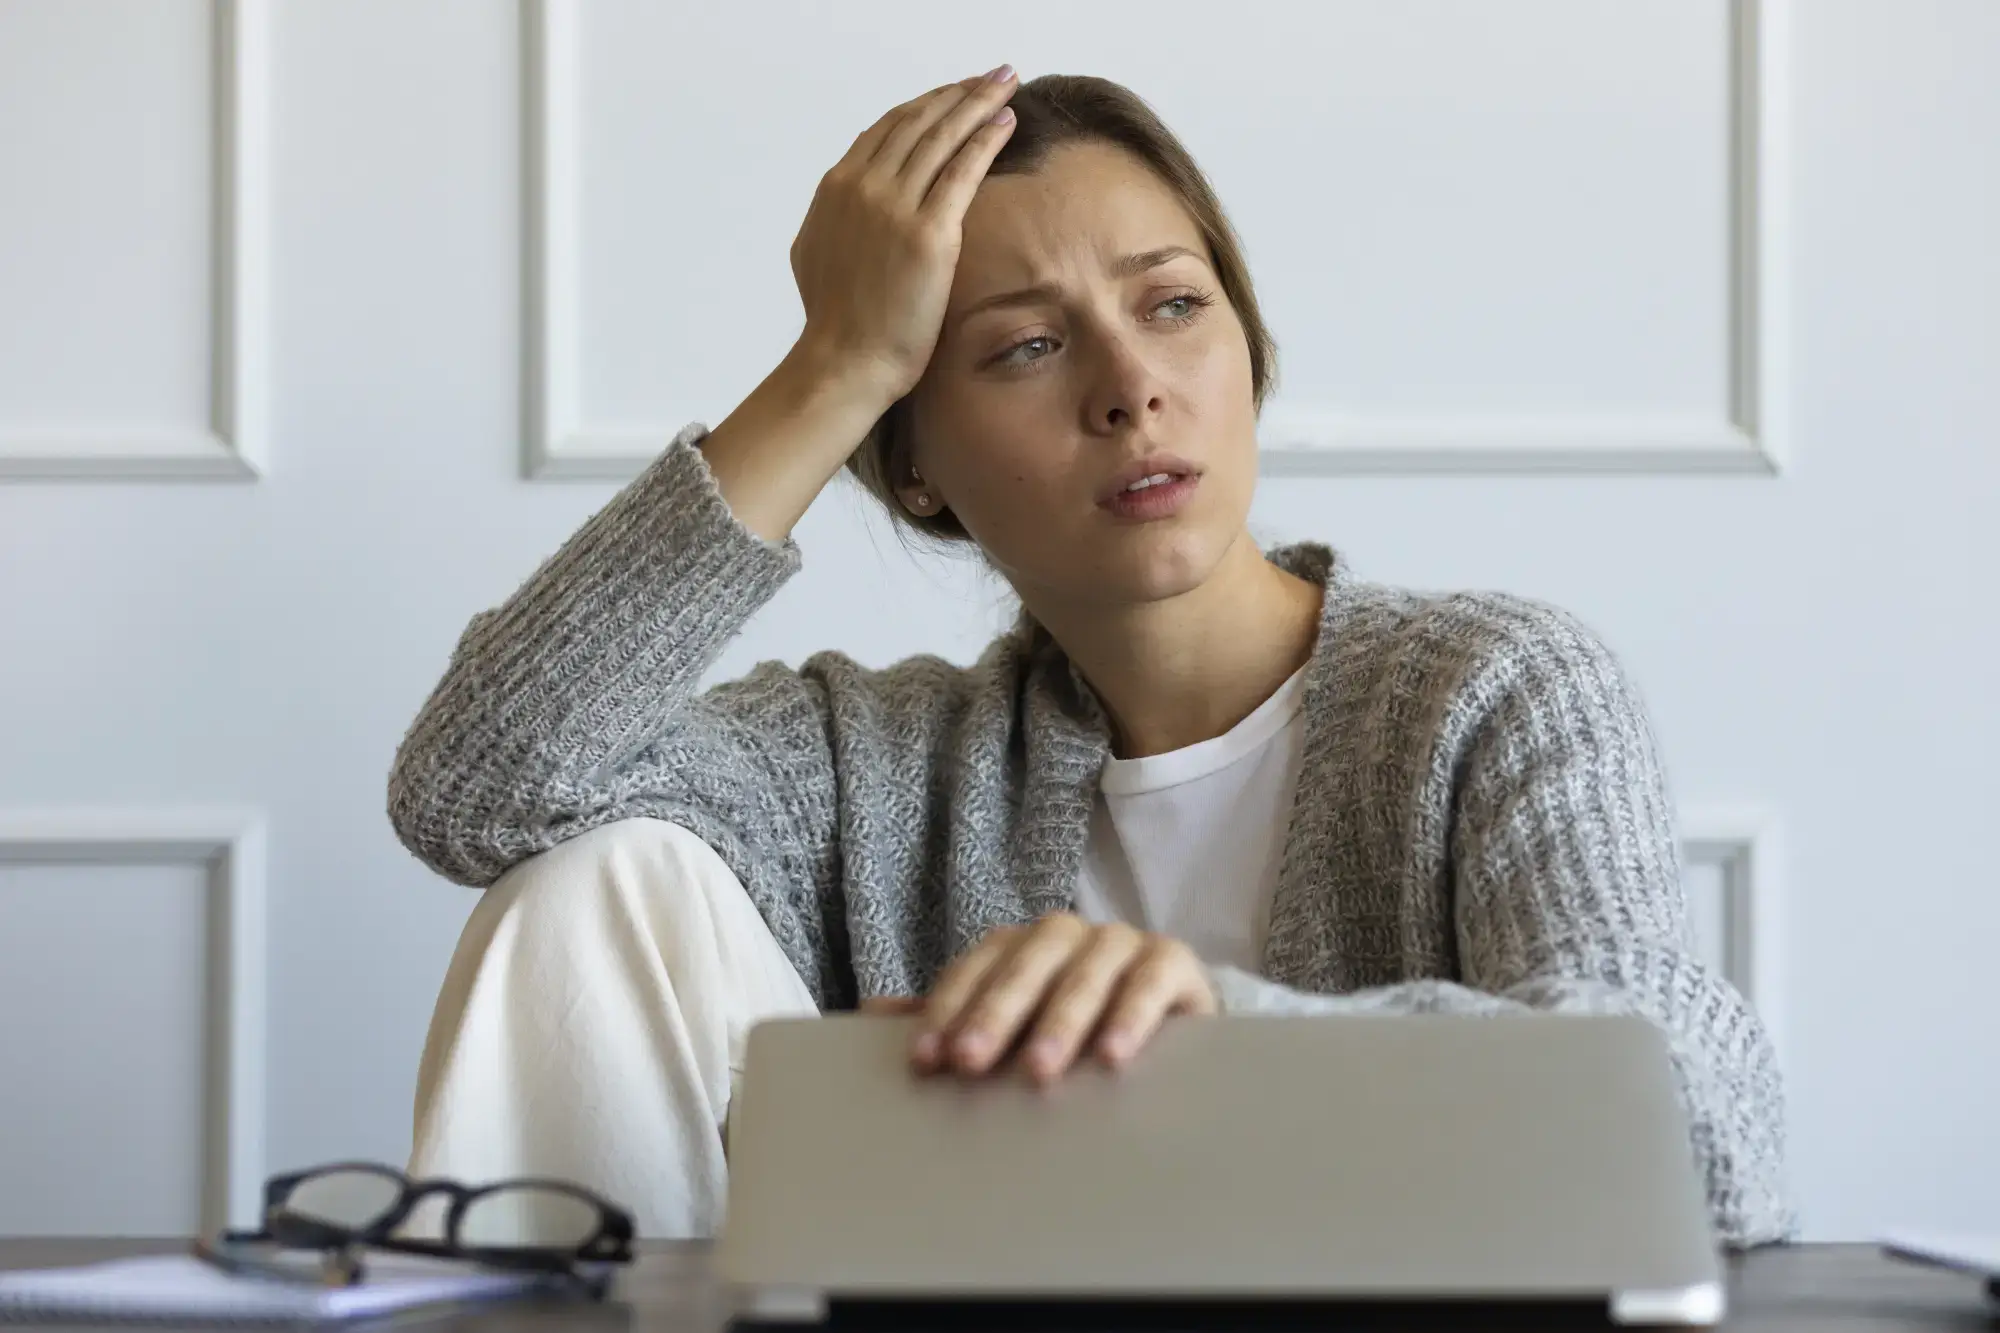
591	1025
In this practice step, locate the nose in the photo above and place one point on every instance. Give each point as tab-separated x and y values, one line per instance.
1126	391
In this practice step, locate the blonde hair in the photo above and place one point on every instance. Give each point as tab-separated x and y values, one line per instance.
1051	111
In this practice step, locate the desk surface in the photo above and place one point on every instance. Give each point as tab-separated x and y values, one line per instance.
668	1290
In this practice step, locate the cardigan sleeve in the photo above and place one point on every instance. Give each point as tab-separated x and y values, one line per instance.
575	704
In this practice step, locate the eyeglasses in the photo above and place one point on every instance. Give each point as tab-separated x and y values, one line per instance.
528	1224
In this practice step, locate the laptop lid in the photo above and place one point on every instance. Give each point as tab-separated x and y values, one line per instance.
1531	1157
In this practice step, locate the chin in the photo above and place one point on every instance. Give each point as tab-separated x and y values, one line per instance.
1159	565
1121	568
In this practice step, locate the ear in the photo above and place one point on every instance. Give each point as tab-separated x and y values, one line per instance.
920	497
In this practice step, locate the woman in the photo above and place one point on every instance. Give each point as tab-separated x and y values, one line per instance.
1196	778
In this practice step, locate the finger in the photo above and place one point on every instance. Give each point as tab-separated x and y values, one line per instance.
960	982
951	194
1013	992
951	133
869	141
1160	982
912	128
1079	999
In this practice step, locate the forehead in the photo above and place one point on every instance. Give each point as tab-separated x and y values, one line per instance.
1087	201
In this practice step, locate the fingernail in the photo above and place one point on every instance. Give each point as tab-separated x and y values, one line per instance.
1003	116
1001	74
1045	1050
972	1045
927	1046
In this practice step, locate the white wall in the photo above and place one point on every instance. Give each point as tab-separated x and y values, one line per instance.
1680	314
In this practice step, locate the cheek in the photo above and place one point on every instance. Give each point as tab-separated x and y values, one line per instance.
1218	370
983	471
1009	478
1007	489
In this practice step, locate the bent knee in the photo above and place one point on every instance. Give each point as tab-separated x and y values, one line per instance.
590	852
644	899
611	868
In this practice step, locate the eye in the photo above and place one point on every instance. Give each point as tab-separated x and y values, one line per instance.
1185	308
1012	356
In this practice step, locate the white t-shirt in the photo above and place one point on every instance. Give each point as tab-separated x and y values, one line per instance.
1188	843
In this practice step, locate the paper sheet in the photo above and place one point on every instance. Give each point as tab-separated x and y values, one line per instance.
179	1286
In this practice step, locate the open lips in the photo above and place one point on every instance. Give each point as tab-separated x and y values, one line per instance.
1152	488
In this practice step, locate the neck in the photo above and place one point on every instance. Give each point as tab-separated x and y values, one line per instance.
1185	669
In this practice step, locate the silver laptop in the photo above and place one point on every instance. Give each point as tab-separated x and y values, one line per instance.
1239	1164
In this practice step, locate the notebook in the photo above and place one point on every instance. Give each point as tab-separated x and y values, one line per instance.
180	1287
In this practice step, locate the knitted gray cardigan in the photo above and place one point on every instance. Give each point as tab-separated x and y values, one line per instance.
1480	823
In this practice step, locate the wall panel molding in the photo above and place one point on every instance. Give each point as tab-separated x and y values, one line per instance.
234	445
558	446
1742	847
230	844
1750	438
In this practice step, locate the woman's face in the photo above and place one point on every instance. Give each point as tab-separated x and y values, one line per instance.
1125	362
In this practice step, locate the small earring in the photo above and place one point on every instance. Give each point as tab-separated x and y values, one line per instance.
924	500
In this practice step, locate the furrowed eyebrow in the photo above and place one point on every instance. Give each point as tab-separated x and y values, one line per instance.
1127	267
1133	265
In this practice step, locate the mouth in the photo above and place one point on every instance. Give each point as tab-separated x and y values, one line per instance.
1149	472
1153	488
